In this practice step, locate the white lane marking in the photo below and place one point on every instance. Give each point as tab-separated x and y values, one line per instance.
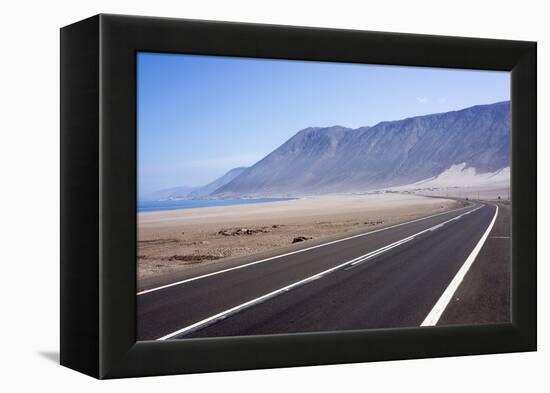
412	237
226	313
438	226
433	317
291	253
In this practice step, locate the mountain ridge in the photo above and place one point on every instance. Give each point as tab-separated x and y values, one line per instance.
318	160
209	188
391	153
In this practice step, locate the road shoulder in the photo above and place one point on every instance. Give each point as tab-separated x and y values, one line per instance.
484	295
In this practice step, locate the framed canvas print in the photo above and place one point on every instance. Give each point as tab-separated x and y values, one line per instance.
239	196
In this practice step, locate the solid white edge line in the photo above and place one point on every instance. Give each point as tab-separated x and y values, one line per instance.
433	317
226	313
291	253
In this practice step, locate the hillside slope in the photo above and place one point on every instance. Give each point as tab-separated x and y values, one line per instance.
338	159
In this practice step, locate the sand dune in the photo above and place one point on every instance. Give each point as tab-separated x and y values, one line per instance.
460	181
462	176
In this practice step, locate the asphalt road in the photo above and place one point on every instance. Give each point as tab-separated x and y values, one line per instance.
380	279
484	295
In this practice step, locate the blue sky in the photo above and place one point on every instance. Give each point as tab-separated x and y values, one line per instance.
199	116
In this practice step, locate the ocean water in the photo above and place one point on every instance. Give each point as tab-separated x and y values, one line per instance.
153	206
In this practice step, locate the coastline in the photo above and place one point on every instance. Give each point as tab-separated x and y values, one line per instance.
179	204
174	240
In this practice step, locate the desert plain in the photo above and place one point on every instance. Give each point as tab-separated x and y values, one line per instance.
171	241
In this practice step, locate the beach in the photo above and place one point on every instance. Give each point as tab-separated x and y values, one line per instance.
174	240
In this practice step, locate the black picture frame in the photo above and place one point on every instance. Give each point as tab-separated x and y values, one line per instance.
98	195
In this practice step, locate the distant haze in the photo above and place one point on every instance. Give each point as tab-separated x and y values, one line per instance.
470	146
201	116
196	192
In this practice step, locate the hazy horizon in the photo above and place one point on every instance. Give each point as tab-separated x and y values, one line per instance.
275	147
200	116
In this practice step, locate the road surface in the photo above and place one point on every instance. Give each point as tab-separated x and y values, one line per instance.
400	276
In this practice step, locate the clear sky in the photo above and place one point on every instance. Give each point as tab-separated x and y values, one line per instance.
199	116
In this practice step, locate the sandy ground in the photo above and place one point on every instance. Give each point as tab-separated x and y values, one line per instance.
459	181
179	239
473	192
